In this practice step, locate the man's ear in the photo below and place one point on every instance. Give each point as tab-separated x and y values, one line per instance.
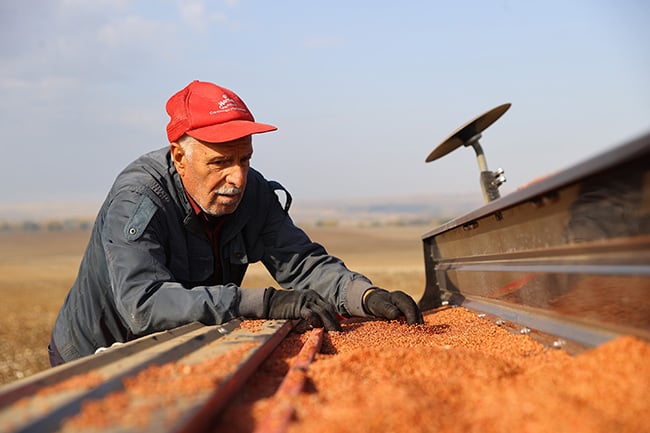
178	156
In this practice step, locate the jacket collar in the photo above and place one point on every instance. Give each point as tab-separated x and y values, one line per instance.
190	219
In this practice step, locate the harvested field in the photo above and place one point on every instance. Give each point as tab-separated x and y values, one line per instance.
37	269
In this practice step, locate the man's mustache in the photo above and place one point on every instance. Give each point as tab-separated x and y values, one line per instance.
228	190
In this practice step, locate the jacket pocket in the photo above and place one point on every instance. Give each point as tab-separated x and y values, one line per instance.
140	219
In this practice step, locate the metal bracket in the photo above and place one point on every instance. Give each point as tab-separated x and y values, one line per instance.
469	135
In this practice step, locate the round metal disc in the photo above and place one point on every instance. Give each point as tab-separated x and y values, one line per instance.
463	134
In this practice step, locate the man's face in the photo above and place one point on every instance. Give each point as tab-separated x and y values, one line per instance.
214	174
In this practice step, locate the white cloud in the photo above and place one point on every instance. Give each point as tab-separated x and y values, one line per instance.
197	16
31	91
322	41
192	11
76	40
129	31
95	4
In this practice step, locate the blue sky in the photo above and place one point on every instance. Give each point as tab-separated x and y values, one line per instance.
361	91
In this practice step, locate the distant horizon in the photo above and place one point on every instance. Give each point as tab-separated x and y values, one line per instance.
301	209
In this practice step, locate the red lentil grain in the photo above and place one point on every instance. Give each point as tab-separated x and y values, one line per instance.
455	373
252	325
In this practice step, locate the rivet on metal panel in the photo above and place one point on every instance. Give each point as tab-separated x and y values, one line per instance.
545	200
537	202
500	322
559	343
470	225
524	331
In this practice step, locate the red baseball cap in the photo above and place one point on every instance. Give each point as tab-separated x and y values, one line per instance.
210	113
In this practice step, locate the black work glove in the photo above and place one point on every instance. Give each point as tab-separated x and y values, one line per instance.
300	304
391	305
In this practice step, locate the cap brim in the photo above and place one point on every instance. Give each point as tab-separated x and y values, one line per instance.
229	131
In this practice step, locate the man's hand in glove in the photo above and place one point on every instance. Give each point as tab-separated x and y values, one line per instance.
300	304
391	305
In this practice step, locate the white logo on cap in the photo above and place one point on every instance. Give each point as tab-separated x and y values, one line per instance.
227	104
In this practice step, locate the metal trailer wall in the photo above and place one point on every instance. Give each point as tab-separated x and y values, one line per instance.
568	255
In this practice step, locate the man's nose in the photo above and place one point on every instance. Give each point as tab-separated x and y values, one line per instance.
237	175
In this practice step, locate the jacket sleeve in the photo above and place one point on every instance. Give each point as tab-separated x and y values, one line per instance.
147	295
295	261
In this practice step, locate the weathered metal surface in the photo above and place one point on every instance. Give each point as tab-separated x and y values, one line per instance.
48	401
13	392
569	252
268	339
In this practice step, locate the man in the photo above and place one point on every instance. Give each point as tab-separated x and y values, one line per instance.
173	239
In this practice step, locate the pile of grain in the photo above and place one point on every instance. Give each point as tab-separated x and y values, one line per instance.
455	373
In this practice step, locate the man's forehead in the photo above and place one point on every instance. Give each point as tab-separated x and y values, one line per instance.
244	144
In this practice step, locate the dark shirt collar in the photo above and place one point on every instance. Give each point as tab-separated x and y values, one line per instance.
205	219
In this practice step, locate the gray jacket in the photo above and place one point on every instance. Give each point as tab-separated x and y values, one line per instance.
148	264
